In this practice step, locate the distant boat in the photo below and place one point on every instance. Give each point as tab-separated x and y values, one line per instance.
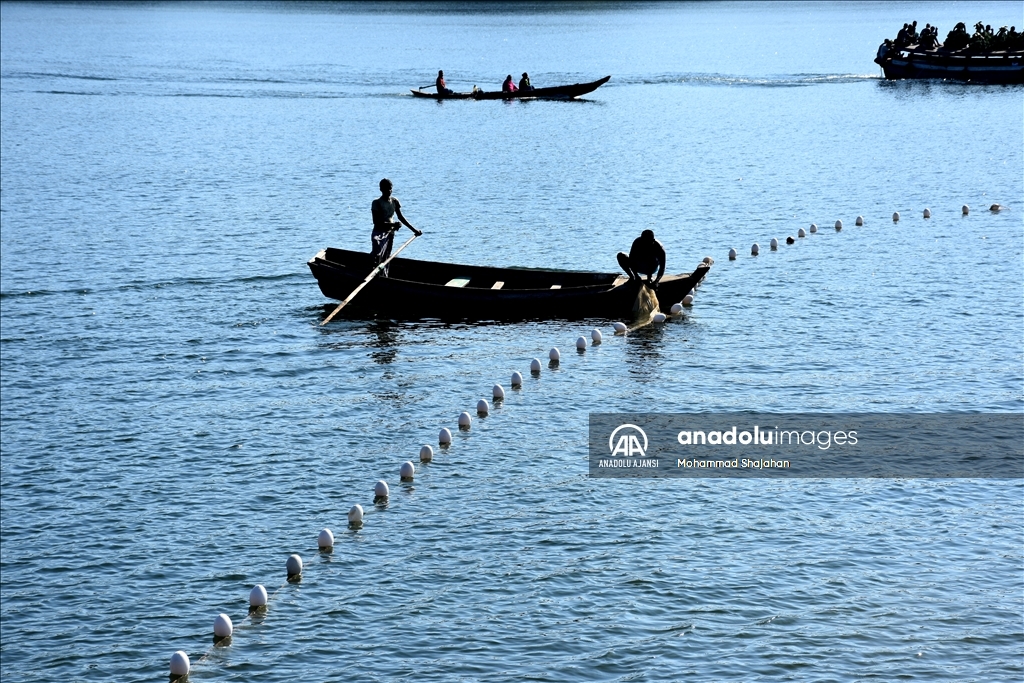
558	92
913	61
426	289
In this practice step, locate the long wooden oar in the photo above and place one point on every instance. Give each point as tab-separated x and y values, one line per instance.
365	282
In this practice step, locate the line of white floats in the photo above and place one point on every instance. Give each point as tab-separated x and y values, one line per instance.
258	597
755	249
223	628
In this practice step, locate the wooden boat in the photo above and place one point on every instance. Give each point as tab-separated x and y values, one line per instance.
963	65
558	92
425	289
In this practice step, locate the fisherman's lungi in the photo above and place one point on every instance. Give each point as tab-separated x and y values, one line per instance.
381	240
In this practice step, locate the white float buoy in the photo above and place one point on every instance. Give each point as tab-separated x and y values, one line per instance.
407	470
497	392
180	664
754	250
859	221
355	514
465	421
444	437
620	328
677	308
896	217
325	539
554	355
517	379
381	490
581	343
801	233
708	261
688	299
482	408
258	596
927	213
965	209
839	225
814	228
732	254
535	366
426	454
659	318
293	565
222	626
774	244
596	336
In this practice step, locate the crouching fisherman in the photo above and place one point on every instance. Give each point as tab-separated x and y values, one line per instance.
646	256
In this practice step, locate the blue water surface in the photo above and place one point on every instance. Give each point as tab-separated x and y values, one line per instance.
175	422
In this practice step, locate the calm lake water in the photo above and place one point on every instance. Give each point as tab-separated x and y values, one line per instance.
175	422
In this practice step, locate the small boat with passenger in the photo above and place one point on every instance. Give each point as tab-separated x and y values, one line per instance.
558	92
427	289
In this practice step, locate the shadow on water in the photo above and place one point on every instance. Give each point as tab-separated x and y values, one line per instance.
643	349
386	342
357	315
910	88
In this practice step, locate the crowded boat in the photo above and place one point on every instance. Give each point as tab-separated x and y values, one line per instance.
985	56
984	39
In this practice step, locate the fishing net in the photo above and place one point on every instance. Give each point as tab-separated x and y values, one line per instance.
645	306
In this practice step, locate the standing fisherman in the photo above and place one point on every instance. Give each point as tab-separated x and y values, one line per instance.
384	208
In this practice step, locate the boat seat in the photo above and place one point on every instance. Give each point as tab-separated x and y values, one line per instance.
498	285
556	286
457	282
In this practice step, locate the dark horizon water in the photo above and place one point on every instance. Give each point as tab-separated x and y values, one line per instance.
174	422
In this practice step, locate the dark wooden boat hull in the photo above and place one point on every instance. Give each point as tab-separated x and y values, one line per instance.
417	289
559	92
993	67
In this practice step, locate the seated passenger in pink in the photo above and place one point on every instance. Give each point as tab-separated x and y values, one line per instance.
508	85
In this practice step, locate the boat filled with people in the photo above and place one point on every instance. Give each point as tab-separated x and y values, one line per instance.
425	289
986	56
511	92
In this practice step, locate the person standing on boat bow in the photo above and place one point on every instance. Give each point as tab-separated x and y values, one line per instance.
384	208
645	256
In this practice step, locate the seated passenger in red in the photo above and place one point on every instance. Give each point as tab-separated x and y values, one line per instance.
442	87
508	85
